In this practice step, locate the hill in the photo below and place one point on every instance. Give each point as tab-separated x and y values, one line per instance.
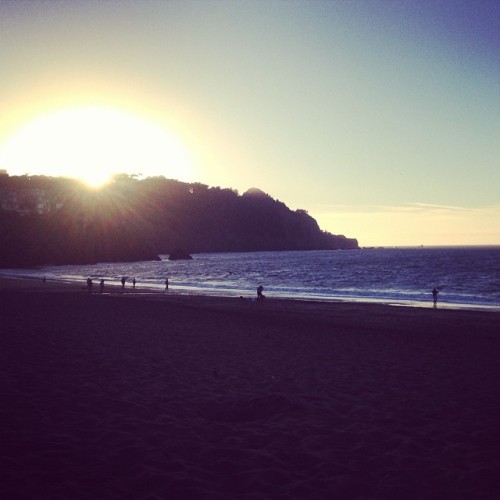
47	220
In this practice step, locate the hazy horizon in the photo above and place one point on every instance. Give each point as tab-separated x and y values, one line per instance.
381	119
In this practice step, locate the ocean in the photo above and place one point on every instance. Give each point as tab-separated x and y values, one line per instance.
466	277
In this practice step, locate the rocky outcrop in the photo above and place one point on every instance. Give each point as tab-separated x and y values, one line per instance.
179	254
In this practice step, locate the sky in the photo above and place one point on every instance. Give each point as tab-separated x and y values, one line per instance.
380	118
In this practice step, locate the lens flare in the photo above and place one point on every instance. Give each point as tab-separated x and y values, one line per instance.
93	144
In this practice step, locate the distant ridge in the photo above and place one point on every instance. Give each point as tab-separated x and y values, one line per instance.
132	220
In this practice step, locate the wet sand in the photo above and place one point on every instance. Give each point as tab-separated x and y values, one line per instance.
158	396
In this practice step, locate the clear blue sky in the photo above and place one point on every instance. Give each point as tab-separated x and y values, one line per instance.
381	118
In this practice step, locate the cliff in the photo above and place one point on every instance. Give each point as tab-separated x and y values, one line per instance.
133	220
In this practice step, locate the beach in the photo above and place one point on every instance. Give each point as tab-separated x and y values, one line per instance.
129	395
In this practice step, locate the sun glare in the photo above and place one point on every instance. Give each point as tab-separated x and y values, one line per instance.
94	143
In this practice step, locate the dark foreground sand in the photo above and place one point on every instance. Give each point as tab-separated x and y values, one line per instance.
128	397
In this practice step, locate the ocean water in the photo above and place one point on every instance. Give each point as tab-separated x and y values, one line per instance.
466	277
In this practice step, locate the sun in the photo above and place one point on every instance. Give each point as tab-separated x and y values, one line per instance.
93	143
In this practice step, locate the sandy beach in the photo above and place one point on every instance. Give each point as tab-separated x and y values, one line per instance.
159	396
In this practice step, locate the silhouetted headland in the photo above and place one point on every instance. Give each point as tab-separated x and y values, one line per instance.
45	220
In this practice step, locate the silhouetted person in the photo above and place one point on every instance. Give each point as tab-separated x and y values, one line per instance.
101	285
89	285
166	283
435	296
260	295
123	282
133	283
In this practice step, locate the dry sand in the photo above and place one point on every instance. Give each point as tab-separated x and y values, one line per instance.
130	396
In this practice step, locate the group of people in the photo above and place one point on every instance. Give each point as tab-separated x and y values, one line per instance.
123	281
260	288
261	296
90	284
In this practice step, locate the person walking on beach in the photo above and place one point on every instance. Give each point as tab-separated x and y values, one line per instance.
260	295
101	285
166	283
89	284
123	282
435	296
133	283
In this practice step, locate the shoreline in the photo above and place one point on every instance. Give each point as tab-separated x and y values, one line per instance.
140	290
353	314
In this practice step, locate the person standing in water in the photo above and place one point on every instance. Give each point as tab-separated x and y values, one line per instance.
166	283
435	296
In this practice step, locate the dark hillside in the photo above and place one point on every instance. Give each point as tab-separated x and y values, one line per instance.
138	219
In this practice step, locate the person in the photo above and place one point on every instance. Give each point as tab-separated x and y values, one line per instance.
101	284
260	295
435	296
133	283
123	282
166	283
89	284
